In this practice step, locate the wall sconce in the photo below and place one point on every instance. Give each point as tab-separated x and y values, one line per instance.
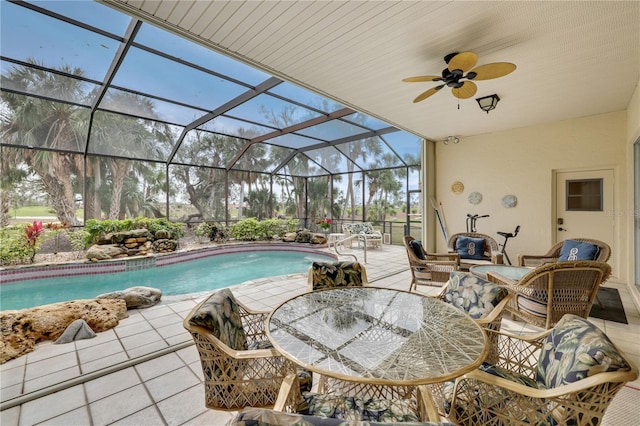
453	139
488	102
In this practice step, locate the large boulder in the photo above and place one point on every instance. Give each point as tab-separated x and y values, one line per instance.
105	251
290	237
22	329
135	297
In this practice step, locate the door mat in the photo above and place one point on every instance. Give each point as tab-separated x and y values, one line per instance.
612	310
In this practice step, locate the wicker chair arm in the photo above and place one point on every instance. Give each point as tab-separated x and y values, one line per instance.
559	391
427	409
289	395
497	258
233	353
535	260
443	257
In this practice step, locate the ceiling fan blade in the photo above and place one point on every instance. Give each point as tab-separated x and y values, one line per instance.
467	90
424	95
422	78
463	61
494	70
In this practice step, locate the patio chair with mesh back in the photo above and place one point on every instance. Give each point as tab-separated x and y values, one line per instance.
474	249
325	275
552	290
240	367
326	409
566	376
429	268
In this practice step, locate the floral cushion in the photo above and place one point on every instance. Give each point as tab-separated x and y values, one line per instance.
575	349
359	409
470	248
336	274
265	417
472	294
365	228
221	316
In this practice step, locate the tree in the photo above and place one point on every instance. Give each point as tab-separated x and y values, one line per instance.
37	122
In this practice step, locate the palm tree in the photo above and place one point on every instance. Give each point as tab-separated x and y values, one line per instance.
37	122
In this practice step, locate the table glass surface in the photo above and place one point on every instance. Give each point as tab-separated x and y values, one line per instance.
511	272
376	335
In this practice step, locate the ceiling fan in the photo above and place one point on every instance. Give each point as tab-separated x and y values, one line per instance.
454	75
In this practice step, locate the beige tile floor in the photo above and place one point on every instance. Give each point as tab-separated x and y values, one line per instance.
146	370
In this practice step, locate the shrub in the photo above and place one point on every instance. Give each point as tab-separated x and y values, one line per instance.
97	228
14	248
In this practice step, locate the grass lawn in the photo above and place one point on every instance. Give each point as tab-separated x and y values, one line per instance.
44	212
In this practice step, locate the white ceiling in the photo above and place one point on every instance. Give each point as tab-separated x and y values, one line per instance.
574	58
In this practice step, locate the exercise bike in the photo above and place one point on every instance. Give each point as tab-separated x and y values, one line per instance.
471	221
506	236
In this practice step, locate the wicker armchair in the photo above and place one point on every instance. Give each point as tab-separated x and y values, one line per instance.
552	256
468	258
240	367
293	407
552	290
431	268
325	275
567	376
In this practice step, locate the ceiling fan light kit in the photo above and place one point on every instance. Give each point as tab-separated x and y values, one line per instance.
487	103
454	75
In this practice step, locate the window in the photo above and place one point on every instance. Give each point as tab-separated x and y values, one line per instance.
584	195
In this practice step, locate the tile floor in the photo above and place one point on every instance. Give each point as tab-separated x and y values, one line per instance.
147	372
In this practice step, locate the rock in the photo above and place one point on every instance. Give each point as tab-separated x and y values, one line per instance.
318	239
290	237
165	245
105	251
135	297
163	234
22	329
303	237
77	330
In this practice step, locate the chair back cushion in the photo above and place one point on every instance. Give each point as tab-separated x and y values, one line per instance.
578	250
358	227
470	248
472	294
575	349
416	246
220	315
336	274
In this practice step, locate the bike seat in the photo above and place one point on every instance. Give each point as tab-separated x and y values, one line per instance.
506	234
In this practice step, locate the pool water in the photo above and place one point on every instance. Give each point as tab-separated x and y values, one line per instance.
195	276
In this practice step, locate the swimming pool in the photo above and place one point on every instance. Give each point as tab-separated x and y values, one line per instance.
208	273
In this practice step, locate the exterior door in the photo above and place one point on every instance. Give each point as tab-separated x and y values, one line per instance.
584	207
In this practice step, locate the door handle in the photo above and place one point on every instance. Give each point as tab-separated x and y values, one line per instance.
561	229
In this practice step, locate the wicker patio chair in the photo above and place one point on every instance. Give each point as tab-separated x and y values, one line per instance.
431	269
240	367
294	408
484	301
466	244
567	376
552	256
325	275
552	290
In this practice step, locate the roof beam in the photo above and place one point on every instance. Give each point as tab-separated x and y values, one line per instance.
238	100
305	124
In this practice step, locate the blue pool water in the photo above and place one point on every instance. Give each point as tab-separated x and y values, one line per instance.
200	275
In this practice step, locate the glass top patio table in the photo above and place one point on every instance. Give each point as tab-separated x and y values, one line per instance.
376	335
511	272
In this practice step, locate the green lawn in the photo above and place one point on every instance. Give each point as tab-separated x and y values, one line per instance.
38	211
